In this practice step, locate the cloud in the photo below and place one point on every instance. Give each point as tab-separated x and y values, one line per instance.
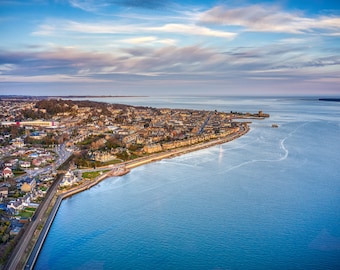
327	79
293	40
89	5
6	68
110	28
135	61
149	40
262	18
195	62
55	78
192	30
66	61
45	30
53	28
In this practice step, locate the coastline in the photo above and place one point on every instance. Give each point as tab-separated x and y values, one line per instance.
184	150
128	165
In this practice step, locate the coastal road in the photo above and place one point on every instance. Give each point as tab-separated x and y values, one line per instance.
38	245
43	234
14	261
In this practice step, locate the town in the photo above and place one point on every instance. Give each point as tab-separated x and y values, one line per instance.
41	139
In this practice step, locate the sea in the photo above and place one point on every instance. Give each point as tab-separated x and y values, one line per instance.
267	200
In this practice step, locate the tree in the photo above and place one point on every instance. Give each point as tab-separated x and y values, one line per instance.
5	238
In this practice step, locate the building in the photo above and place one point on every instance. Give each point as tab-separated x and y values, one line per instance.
3	193
7	172
18	143
69	179
28	184
25	164
37	123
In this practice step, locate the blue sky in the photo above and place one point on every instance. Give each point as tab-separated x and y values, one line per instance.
152	47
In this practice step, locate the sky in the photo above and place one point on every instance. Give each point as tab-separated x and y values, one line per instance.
154	47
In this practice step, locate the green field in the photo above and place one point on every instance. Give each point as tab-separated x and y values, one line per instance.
93	175
26	214
30	209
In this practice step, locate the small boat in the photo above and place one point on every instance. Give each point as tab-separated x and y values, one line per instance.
275	125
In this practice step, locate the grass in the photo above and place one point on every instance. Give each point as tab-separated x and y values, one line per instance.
115	161
31	209
16	173
93	175
26	214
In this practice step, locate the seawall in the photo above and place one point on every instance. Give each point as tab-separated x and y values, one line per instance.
43	234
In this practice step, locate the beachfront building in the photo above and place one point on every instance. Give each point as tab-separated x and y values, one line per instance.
152	148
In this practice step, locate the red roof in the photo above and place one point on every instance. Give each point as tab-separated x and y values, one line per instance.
7	170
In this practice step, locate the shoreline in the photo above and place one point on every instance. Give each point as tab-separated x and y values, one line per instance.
128	165
184	150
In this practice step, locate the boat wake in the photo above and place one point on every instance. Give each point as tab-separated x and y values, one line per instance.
284	156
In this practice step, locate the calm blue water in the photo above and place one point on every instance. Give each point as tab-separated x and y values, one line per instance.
268	200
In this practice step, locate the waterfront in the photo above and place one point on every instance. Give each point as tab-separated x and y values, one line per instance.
266	200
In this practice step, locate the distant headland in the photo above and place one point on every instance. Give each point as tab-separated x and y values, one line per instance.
330	99
27	97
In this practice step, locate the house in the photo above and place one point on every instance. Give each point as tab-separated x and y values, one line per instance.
28	184
35	194
7	172
25	164
36	162
34	155
69	179
3	193
37	135
18	143
16	226
9	164
19	204
15	231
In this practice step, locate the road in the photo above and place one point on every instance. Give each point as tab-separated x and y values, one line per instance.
15	260
38	245
63	154
204	124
